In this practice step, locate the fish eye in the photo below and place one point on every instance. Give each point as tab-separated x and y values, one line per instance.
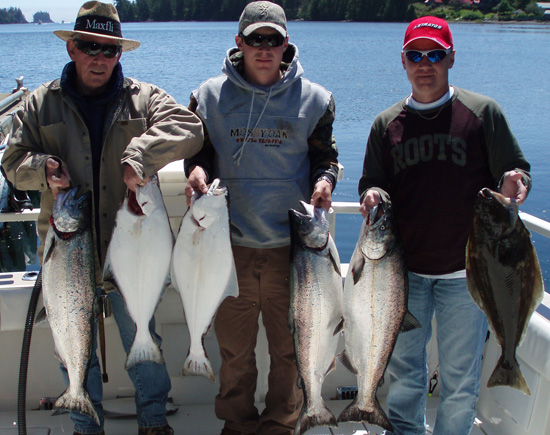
383	227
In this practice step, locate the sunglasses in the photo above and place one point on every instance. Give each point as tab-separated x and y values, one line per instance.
433	56
93	48
256	40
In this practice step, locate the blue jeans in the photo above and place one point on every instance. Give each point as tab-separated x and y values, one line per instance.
150	379
461	333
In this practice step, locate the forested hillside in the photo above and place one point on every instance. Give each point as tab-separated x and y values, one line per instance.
331	10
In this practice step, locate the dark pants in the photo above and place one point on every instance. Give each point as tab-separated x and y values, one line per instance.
263	276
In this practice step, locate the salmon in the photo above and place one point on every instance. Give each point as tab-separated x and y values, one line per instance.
69	288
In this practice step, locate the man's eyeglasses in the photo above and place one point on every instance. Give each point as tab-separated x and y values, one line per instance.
256	40
433	56
93	48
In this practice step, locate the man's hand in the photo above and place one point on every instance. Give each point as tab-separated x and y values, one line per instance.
322	195
372	199
132	179
513	187
195	182
57	176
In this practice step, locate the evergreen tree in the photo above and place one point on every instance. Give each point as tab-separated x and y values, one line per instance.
125	10
161	10
12	16
180	10
41	17
142	10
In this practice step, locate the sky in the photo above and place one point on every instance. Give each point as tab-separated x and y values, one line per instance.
60	10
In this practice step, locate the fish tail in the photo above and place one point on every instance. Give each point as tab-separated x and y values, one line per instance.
508	373
80	403
305	422
352	413
140	352
198	365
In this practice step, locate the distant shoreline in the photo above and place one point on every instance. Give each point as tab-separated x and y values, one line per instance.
537	22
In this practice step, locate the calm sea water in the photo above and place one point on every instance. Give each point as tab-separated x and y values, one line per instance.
359	62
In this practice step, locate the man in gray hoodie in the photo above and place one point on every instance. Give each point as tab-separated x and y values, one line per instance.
268	137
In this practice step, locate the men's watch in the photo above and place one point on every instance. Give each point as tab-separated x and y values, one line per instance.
326	178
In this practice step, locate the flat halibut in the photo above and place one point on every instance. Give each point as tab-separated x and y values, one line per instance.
504	279
203	271
138	258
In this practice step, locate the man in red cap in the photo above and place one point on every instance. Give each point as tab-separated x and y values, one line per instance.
431	153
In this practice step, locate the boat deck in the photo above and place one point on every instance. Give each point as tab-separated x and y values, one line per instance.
187	420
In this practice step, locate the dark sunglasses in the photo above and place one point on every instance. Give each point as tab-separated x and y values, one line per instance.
256	40
93	48
433	56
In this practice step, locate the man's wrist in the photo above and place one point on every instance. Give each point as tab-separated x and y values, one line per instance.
326	178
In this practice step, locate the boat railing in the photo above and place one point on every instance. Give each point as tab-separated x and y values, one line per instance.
532	223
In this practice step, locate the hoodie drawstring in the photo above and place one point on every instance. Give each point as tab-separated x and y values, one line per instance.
248	133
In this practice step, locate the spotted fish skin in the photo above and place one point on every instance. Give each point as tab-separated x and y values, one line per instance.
375	311
504	279
68	288
315	316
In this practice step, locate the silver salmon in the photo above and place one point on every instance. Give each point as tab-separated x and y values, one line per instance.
315	310
375	308
138	257
504	278
203	270
68	285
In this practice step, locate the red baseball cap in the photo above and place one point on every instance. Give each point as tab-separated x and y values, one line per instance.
429	27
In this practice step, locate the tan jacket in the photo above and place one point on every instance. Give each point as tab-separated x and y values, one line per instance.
144	128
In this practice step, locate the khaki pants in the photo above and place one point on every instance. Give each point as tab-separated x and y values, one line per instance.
263	276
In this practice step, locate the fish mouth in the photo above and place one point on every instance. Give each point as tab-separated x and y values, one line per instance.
509	205
376	213
71	196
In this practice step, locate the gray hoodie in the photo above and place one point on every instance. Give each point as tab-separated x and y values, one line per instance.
260	136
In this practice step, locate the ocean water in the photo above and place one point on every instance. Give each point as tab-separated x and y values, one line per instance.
359	62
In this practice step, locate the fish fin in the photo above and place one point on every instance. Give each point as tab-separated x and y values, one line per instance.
357	268
108	274
41	317
232	288
323	417
81	403
344	359
352	413
508	373
409	323
339	327
140	352
291	321
198	365
47	255
331	367
335	260
301	385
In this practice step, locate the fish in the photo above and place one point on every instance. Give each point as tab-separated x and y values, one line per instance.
375	311
315	315
69	288
504	278
138	258
203	270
